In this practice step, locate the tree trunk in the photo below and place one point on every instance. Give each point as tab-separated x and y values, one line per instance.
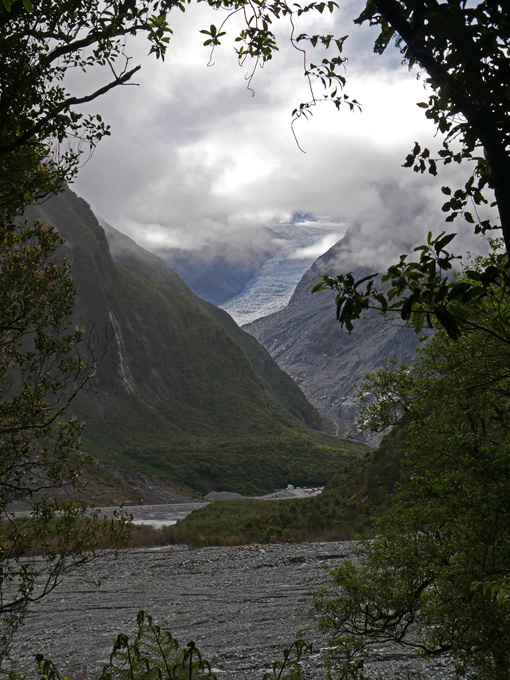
477	116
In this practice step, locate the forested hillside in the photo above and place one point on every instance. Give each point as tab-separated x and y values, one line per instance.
178	393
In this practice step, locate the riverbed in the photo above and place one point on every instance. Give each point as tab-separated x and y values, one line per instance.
241	605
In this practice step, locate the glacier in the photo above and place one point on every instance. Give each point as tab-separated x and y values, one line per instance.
303	240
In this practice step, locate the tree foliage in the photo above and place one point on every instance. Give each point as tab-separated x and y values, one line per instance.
42	135
43	365
463	49
420	293
41	126
436	577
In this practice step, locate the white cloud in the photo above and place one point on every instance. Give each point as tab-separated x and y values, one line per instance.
316	249
193	158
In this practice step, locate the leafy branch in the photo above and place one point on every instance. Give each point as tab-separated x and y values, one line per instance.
421	292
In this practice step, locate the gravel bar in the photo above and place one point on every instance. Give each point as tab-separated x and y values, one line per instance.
241	605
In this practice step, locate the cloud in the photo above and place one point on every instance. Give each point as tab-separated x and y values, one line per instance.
399	218
316	249
195	160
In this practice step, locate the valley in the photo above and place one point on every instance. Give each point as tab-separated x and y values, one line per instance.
326	361
202	368
299	329
184	395
177	390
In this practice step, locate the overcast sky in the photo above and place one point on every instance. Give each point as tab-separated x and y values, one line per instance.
194	159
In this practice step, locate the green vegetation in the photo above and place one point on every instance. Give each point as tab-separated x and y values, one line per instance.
179	394
282	392
249	465
243	521
153	653
249	462
352	500
436	577
44	364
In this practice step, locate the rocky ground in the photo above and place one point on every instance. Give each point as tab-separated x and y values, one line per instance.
241	605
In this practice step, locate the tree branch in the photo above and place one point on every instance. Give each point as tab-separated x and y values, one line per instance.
479	120
70	101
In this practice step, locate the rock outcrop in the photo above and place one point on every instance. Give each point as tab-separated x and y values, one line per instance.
325	360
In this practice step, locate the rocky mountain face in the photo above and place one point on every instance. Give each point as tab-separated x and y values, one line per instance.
325	360
181	392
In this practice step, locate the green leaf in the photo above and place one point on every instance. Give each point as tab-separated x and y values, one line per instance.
448	321
443	241
418	319
322	285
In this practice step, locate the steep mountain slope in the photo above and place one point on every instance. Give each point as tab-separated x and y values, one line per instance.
325	360
175	396
282	392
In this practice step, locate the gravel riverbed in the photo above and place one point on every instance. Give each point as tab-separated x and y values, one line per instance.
241	605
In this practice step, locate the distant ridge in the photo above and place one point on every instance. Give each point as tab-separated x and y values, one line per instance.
182	393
